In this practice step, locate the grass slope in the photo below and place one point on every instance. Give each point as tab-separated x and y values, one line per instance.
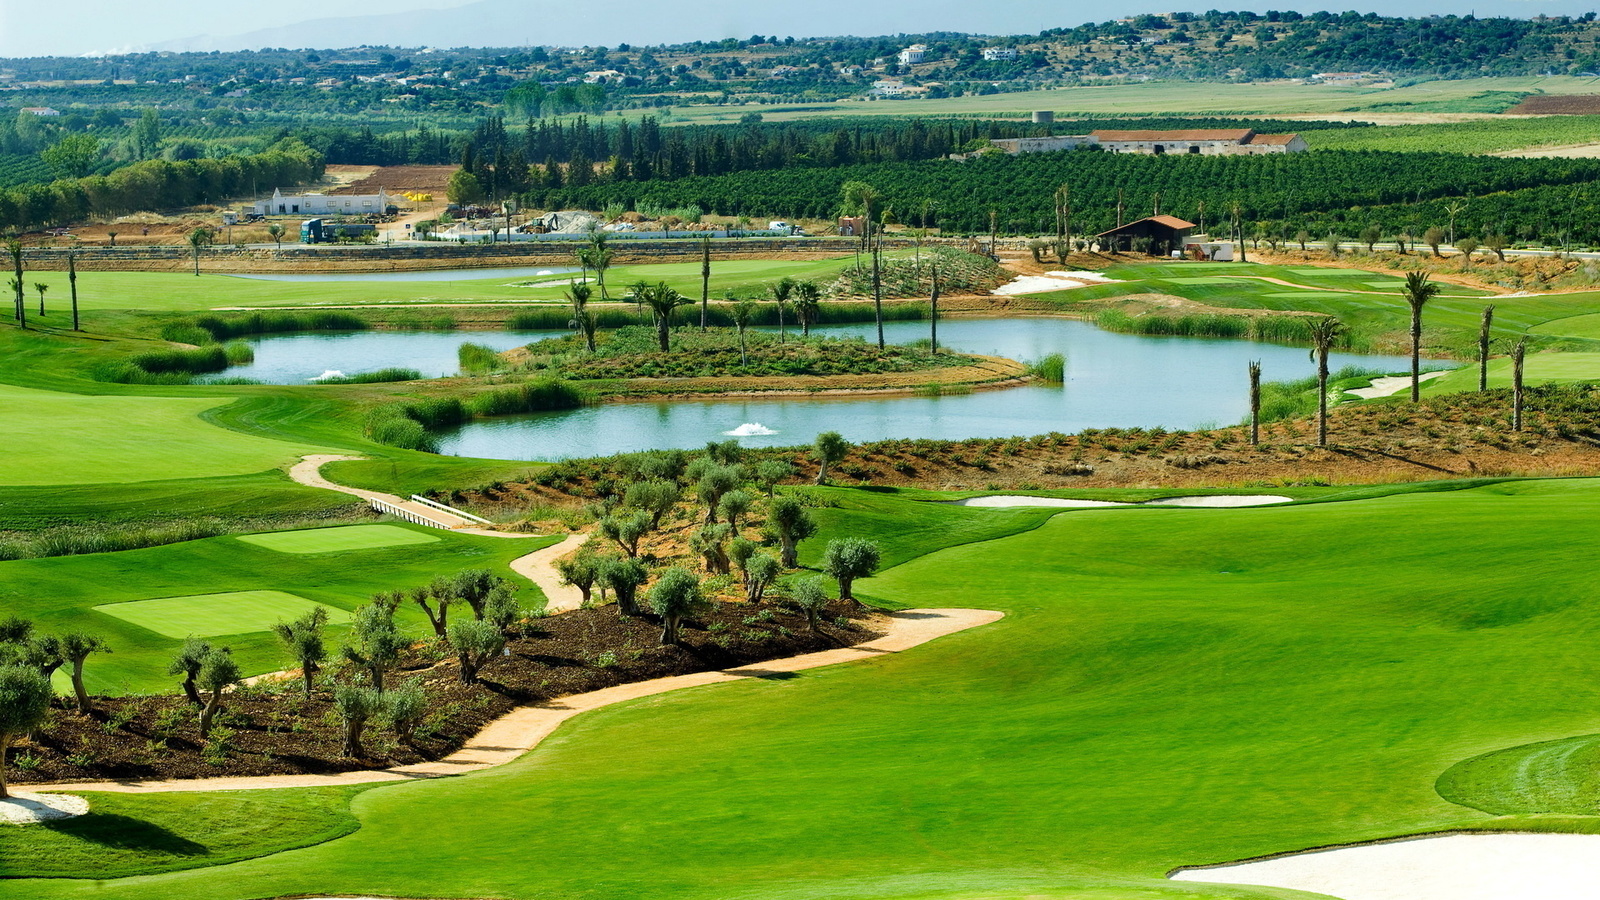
70	438
126	835
213	615
60	593
338	540
1169	687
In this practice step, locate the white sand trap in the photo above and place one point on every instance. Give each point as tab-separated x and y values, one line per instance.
1051	281
1384	387
1005	501
1450	867
31	809
1224	502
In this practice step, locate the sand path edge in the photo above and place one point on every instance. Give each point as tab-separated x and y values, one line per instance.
524	728
538	566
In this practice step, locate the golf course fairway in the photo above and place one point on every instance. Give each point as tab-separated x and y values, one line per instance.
1169	687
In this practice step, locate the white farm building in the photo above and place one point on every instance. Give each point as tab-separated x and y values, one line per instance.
283	204
1213	142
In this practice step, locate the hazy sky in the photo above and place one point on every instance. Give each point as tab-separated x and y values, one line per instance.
38	27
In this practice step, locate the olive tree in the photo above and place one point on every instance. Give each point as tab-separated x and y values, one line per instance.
711	542
24	704
217	673
624	575
356	705
374	642
405	707
303	639
734	504
772	472
789	523
811	596
475	587
626	530
675	595
657	497
76	647
475	643
717	480
435	600
829	448
759	574
580	570
188	661
847	559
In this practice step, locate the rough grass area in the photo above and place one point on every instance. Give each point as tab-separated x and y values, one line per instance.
60	438
211	615
338	540
633	352
125	835
1169	687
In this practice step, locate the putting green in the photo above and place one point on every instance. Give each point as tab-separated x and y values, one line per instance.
1307	295
338	540
61	438
1207	279
1315	271
1385	285
210	615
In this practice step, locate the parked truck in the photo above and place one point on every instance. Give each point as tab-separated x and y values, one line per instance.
321	231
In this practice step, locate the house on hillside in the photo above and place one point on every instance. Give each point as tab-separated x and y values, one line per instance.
283	204
913	54
42	111
1166	234
993	54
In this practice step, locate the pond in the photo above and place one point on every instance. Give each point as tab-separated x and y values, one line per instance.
300	358
418	275
1113	380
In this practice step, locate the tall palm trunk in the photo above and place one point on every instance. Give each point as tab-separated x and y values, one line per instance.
1517	354
1416	352
1255	403
877	290
1322	396
1483	347
933	313
705	280
72	279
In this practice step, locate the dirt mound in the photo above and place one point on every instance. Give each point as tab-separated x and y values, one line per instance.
1545	105
395	179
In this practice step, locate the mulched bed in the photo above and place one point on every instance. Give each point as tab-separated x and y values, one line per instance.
277	730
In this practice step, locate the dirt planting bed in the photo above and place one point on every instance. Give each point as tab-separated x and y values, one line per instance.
274	729
1547	105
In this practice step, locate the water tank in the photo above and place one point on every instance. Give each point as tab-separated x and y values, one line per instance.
1044	117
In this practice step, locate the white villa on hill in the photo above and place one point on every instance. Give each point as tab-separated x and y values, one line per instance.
283	204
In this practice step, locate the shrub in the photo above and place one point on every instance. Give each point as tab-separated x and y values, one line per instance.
381	376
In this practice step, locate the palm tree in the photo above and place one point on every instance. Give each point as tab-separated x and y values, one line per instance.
742	313
1255	402
578	294
113	236
1483	347
1417	291
705	279
41	287
1325	330
275	231
199	239
933	312
865	196
781	293
662	300
72	279
807	305
600	256
1517	353
14	247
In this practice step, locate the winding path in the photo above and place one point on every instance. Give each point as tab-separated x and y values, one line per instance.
538	566
524	728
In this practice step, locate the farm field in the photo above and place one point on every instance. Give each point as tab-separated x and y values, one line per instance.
124	596
1425	100
1169	687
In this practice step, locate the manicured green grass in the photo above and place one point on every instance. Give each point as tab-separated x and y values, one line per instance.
338	540
1584	326
126	834
211	615
1548	777
1169	687
1560	368
177	292
59	593
59	438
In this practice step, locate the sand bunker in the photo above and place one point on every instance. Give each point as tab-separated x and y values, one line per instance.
31	809
1449	867
1051	281
1384	387
1005	501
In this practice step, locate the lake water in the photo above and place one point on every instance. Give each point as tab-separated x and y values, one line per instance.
298	358
420	275
1113	380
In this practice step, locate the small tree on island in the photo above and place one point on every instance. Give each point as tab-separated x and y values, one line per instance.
829	448
663	301
847	559
789	523
199	239
24	705
190	658
218	673
1324	332
675	595
1417	291
303	639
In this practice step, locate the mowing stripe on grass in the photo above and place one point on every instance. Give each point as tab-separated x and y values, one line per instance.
211	615
338	540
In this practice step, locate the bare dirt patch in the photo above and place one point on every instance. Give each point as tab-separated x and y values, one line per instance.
395	179
1567	105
